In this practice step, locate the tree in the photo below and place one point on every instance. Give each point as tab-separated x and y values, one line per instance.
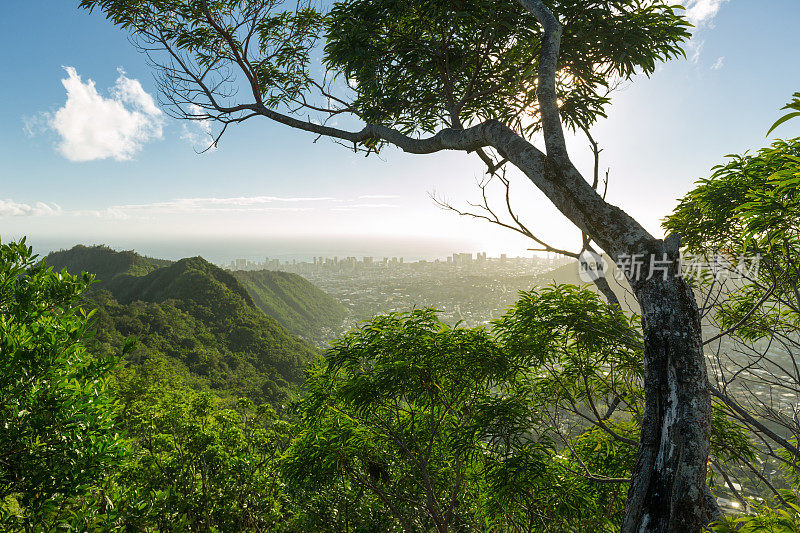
195	464
59	434
530	425
743	220
450	428
474	76
394	411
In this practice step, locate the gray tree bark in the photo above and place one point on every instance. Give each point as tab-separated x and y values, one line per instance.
668	492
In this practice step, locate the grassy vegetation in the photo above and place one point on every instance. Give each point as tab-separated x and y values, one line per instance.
299	305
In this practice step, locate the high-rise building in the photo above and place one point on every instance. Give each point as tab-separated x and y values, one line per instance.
462	259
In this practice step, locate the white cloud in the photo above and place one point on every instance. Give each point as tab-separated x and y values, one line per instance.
354	207
10	208
230	205
695	48
197	131
94	127
378	197
109	213
240	201
719	63
702	12
239	204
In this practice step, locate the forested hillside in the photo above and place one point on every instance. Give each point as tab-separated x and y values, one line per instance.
299	305
660	395
193	314
108	265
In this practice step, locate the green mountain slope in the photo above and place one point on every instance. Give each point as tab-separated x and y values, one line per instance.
193	279
200	318
105	263
302	307
296	303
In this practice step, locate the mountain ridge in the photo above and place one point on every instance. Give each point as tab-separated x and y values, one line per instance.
301	307
194	315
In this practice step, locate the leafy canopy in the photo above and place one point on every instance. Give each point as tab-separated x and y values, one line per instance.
195	464
413	65
750	206
58	426
417	63
451	427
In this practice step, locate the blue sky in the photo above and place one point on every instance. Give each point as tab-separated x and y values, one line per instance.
267	182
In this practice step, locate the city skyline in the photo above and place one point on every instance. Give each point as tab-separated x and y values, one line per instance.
455	259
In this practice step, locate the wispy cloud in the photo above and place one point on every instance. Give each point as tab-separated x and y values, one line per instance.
718	64
197	131
355	207
92	126
200	206
378	197
250	200
702	12
253	203
695	48
10	208
250	204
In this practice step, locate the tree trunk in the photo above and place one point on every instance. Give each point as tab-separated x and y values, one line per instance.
605	289
668	491
668	488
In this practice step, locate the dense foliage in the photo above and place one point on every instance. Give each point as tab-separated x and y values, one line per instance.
196	316
744	220
242	353
57	429
399	411
195	464
406	425
200	317
528	426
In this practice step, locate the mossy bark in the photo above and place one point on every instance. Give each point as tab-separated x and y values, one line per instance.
668	492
